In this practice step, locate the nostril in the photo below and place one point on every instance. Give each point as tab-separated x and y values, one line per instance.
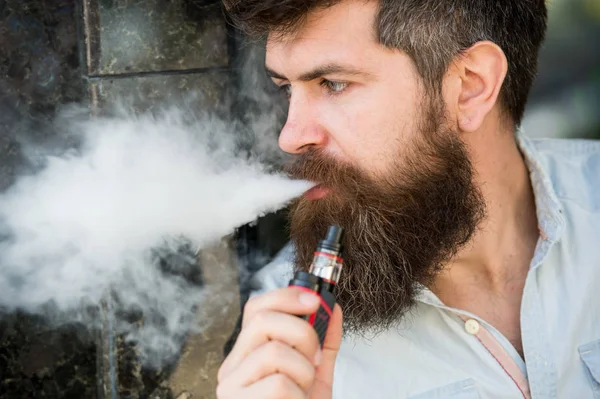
296	138
306	148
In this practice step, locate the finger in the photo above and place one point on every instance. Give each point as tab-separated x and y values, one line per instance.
275	386
290	300
333	338
267	326
323	383
272	358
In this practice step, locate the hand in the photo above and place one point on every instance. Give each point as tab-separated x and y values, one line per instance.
277	354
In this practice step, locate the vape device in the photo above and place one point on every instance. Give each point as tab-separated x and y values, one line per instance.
321	279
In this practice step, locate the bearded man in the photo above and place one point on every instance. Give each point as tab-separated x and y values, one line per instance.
471	252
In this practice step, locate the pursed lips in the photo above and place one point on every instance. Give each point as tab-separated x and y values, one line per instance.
317	192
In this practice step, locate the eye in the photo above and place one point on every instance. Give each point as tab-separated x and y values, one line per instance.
333	86
287	89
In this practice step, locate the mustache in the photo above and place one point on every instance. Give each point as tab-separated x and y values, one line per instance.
319	167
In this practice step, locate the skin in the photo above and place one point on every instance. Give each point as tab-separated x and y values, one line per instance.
360	102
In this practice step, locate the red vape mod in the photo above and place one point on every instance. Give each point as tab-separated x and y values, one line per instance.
322	278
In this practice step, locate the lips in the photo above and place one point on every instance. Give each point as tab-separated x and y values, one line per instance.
317	192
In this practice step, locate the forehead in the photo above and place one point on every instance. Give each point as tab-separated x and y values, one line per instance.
341	33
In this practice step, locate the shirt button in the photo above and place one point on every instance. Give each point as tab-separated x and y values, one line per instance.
472	326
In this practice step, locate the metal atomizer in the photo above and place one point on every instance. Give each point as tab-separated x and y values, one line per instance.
322	278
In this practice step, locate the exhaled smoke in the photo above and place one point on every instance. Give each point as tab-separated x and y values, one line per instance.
102	219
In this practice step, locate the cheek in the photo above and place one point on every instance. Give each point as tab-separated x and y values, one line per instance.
370	128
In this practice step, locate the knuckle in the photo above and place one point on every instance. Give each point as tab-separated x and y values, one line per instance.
281	386
279	353
276	350
252	305
260	319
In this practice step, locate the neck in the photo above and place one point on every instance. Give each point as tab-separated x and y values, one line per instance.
497	258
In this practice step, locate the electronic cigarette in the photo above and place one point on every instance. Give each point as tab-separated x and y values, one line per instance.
322	278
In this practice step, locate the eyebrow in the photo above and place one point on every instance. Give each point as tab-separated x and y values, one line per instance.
320	71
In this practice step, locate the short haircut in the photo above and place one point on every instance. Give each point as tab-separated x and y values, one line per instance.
431	32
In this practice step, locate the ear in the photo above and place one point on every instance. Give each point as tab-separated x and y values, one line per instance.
481	70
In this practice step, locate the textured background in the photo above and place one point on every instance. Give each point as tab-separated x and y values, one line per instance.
97	52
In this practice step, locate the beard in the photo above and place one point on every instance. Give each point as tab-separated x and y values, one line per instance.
400	229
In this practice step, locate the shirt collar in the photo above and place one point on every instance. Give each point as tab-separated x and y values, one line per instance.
548	207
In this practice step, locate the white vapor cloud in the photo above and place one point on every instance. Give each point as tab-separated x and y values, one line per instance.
89	221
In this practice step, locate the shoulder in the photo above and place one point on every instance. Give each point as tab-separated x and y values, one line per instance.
567	149
569	154
573	168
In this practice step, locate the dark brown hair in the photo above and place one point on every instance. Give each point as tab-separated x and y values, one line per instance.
431	32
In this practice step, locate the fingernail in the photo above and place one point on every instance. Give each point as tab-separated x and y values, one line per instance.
318	356
309	299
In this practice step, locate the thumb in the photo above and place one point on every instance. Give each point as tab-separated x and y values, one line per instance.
323	385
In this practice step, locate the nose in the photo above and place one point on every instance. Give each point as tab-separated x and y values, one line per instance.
302	130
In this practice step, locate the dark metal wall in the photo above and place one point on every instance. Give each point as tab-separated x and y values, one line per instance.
96	52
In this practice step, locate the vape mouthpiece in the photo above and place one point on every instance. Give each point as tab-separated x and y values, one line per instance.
333	239
327	261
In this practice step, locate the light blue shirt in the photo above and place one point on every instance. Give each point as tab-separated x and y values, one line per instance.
439	352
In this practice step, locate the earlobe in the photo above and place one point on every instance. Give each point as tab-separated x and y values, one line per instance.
483	69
